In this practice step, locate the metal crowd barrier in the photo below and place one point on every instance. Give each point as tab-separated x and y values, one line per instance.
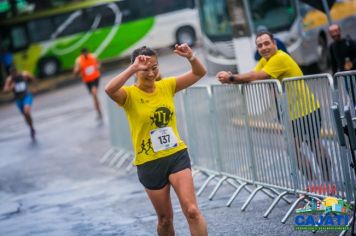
345	84
180	113
201	134
270	149
345	92
228	122
234	139
122	150
352	144
320	166
227	127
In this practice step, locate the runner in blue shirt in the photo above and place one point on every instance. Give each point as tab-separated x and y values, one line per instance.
18	82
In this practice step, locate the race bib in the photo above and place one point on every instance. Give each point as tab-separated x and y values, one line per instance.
163	139
20	87
89	70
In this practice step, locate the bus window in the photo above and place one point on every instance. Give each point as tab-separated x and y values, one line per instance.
103	14
155	7
214	19
276	15
125	9
164	6
19	38
71	23
45	32
139	11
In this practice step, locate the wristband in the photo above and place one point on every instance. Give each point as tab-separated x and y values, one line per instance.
192	58
231	78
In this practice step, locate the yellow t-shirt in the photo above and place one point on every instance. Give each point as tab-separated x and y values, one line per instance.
147	112
279	66
300	100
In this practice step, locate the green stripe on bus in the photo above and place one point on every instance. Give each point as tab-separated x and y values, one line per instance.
127	35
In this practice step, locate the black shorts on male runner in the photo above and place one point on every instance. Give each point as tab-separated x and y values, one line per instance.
311	125
91	84
154	174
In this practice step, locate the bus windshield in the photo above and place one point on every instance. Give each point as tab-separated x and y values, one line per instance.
275	15
214	20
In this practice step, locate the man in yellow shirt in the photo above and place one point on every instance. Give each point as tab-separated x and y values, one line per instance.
276	64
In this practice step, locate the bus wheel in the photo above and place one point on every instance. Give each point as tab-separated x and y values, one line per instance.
186	35
322	50
48	67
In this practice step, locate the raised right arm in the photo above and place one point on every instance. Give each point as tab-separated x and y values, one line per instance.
114	87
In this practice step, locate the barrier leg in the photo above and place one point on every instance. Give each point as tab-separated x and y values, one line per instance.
107	154
274	203
233	183
205	184
345	231
129	166
248	189
268	193
221	181
115	159
285	218
284	199
195	172
124	158
243	208
235	194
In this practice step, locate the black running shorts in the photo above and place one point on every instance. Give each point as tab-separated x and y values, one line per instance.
91	84
154	174
309	125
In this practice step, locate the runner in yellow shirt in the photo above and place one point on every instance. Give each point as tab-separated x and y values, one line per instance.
276	64
160	155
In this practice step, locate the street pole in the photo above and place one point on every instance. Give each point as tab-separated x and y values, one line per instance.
242	28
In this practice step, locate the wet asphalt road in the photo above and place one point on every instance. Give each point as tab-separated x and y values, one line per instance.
57	185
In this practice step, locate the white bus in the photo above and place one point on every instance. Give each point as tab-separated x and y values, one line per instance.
47	41
301	27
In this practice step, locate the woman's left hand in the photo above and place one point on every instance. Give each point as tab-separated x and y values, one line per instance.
183	50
